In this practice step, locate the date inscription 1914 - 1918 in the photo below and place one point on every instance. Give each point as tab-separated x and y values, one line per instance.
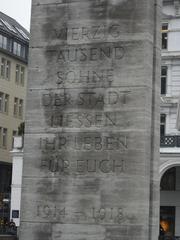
97	215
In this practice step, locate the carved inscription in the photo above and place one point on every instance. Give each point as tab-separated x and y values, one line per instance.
46	211
88	98
97	215
73	55
56	163
84	76
88	33
96	105
86	54
115	215
85	142
84	119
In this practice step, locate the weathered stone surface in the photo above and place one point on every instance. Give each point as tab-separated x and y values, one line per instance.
91	144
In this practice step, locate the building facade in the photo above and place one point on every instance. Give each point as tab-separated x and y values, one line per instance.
14	40
170	121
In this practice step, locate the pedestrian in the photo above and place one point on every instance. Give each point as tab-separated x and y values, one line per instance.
12	227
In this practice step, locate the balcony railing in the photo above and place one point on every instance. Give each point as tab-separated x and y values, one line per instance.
170	141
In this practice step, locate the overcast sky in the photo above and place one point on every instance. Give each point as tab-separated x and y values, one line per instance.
20	10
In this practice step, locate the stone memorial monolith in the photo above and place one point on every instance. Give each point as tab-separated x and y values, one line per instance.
92	121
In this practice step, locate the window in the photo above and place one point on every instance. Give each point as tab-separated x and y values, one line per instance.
17	49
23	51
3	137
5	68
1	101
14	47
17	73
9	44
168	181
162	124
20	74
3	64
15	106
20	107
8	70
164	35
4	102
14	133
163	79
3	42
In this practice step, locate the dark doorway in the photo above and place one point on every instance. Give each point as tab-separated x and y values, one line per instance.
167	221
5	192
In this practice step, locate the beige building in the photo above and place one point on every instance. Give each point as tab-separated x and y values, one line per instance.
14	40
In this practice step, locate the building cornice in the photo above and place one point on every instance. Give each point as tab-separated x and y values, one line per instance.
166	55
